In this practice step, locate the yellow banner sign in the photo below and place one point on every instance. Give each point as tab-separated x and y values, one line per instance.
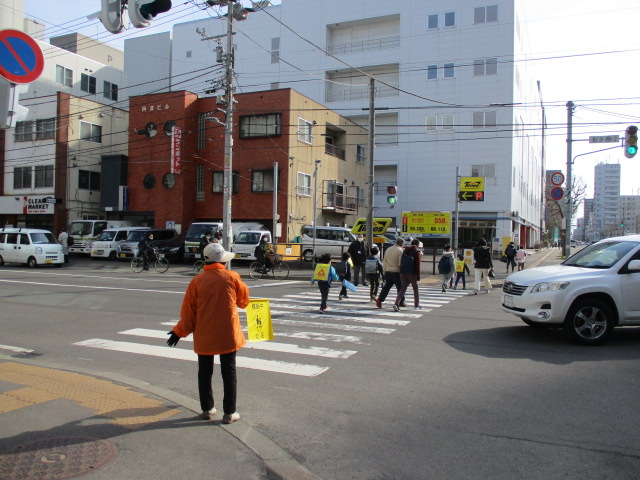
380	225
260	328
427	224
472	184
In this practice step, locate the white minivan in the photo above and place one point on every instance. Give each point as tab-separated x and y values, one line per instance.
332	240
246	241
106	245
30	246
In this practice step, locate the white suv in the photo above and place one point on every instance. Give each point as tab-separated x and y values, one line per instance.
588	294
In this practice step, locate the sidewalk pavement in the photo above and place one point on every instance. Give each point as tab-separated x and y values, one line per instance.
58	424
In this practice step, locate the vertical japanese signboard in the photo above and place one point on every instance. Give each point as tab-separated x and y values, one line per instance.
176	150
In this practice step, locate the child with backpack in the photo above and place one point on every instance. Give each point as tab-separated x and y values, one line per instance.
521	255
343	270
461	269
373	269
446	267
324	274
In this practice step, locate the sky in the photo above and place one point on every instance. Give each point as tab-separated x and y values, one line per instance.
585	51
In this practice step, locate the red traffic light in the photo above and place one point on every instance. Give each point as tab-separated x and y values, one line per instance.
392	190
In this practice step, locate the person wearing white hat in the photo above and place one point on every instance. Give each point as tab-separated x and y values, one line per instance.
210	312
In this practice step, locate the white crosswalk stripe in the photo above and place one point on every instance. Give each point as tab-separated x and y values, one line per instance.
354	321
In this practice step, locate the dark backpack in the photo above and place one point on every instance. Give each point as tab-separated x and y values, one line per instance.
510	251
407	266
371	266
340	268
444	265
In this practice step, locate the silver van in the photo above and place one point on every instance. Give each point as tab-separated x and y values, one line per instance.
332	240
106	245
129	248
30	246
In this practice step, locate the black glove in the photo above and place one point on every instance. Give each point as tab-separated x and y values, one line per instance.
173	339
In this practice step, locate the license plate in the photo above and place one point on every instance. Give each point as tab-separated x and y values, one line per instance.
194	249
507	301
237	255
123	255
48	261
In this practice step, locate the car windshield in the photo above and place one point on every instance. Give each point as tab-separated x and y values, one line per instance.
107	235
601	254
197	231
43	238
247	238
137	235
80	228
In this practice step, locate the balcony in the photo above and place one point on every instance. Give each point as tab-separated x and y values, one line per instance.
330	149
335	200
365	45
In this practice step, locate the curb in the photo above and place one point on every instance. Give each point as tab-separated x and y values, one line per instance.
278	463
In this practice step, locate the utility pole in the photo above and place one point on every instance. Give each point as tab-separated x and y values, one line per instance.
274	235
567	233
315	212
455	230
370	183
227	237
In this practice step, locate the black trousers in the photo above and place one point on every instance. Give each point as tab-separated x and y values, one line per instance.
229	381
390	279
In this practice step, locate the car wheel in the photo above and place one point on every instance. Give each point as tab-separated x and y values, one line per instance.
1	262
113	256
589	322
32	262
308	255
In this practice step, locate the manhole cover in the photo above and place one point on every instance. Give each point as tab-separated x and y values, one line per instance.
56	458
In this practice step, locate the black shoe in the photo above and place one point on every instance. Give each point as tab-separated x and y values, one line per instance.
365	284
402	304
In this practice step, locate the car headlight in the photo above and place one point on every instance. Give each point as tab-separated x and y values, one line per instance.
549	286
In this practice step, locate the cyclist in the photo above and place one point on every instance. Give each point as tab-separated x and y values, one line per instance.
145	250
206	240
263	253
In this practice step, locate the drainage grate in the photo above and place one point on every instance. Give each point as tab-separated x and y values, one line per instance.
56	458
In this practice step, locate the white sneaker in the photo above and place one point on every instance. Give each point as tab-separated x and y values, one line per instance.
206	415
230	417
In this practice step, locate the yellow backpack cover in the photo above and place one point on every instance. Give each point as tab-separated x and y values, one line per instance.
321	272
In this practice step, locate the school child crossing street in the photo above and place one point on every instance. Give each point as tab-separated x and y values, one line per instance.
373	270
324	274
461	269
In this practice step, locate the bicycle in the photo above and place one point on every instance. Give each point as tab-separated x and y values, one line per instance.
160	263
279	269
198	266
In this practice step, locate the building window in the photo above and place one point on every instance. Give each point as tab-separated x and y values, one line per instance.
90	132
88	180
485	119
361	154
46	129
485	66
449	70
188	54
275	50
64	76
260	125
200	183
24	131
432	72
431	123
432	21
202	129
87	83
44	176
485	14
304	184
447	121
305	129
487	171
110	91
262	181
218	182
450	19
22	177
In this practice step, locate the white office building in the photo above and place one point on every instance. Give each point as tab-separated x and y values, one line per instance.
606	205
453	92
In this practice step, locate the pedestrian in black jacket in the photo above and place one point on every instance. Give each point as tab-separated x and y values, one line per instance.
359	251
483	262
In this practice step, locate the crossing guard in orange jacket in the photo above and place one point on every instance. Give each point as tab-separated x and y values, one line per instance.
209	311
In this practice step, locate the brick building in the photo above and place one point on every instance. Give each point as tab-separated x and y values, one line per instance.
275	126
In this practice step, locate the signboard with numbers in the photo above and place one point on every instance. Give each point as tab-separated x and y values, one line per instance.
427	224
604	139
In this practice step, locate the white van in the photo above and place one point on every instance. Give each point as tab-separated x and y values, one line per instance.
246	242
194	235
30	246
83	232
332	240
106	245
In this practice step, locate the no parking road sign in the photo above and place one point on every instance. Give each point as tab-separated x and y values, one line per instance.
21	59
557	193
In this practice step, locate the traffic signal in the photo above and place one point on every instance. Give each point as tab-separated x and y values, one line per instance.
111	15
142	12
392	191
631	141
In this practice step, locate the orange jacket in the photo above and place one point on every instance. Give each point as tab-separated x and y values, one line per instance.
209	311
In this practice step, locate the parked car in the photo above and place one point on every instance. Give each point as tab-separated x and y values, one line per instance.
332	240
246	242
173	249
589	294
106	245
129	248
30	246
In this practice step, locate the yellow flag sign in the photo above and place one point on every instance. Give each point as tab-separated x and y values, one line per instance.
259	324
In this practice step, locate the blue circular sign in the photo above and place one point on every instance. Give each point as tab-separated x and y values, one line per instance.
21	59
557	193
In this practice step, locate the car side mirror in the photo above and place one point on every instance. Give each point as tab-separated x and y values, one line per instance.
634	266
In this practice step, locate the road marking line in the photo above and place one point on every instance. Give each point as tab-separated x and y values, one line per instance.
349	301
15	349
182	354
93	287
269	346
381	321
302	305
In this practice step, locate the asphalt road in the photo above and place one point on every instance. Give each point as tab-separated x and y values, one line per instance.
458	390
